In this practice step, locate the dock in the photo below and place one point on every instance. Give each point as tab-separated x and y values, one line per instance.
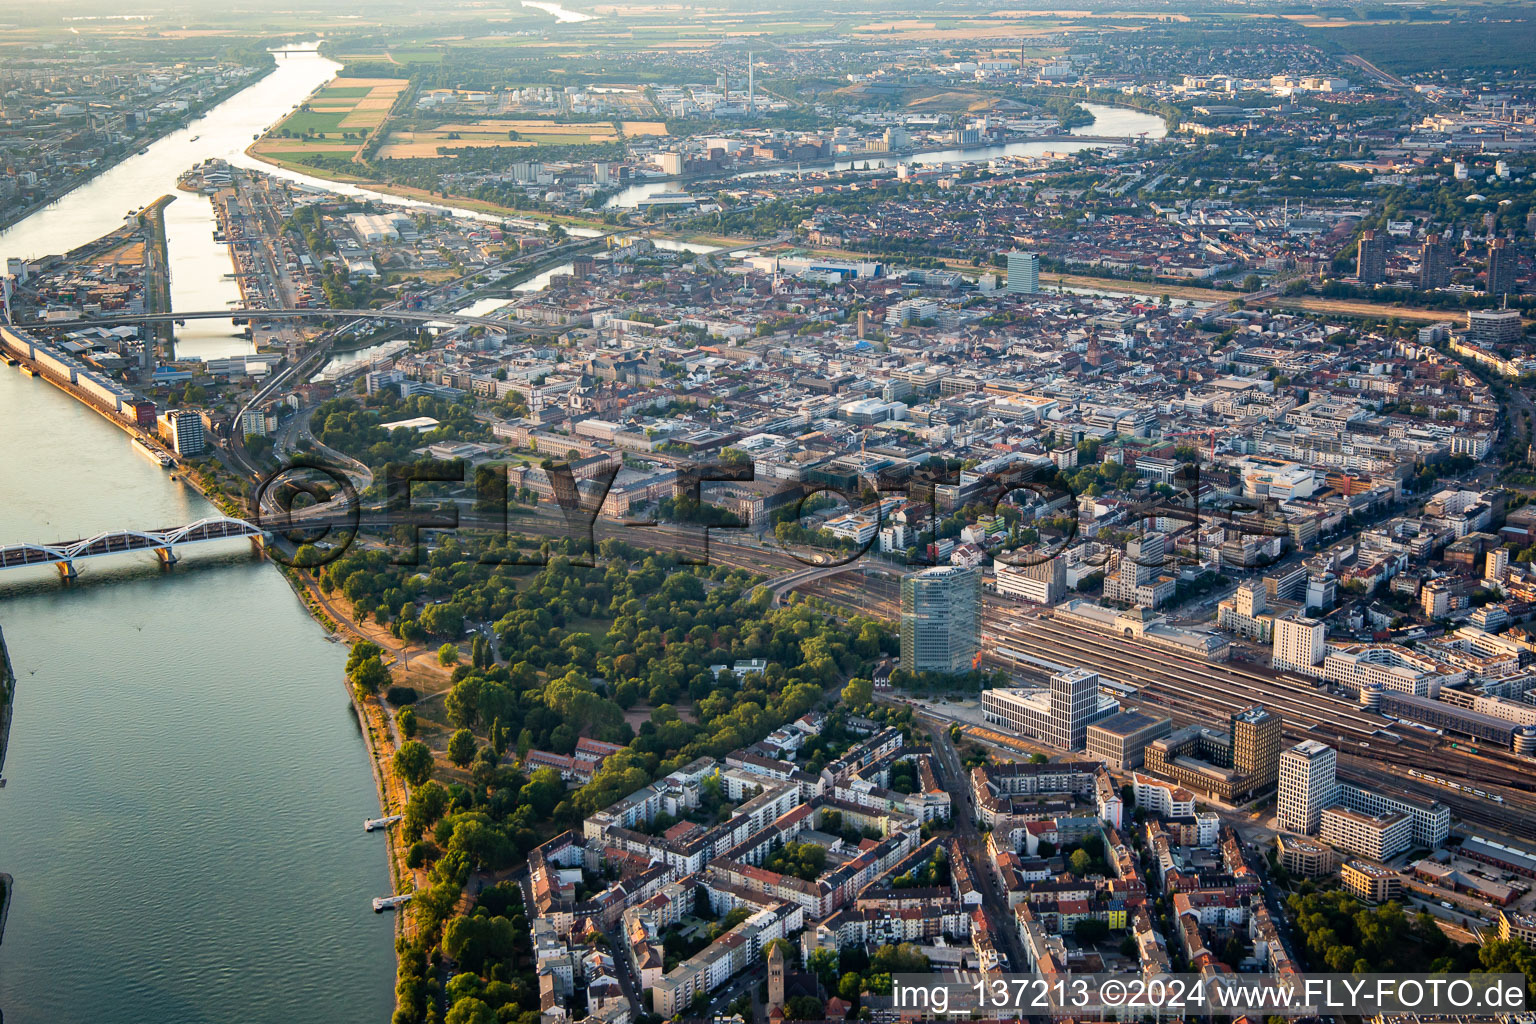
383	903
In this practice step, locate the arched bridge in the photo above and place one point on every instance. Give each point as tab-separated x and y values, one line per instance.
419	316
163	543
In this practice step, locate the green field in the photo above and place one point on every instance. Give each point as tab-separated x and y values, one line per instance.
416	56
302	122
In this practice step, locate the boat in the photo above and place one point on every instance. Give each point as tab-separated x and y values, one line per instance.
371	824
12	362
383	903
153	453
29	371
196	137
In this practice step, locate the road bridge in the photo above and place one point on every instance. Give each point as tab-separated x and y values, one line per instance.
64	554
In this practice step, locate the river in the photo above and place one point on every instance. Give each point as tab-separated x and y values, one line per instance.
185	779
564	15
1108	122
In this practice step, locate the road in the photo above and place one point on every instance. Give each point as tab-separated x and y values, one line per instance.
956	782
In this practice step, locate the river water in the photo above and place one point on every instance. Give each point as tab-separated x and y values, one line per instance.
1108	122
185	779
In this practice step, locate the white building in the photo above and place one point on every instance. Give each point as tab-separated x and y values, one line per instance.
1308	785
1166	799
1058	715
1378	837
1300	645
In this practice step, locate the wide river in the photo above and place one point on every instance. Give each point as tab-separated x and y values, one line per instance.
185	780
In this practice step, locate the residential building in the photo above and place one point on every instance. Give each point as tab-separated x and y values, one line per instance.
1434	263
1374	883
183	431
1371	260
1501	268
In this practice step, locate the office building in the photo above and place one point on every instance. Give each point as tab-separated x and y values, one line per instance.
1058	715
183	431
1074	703
1120	741
1300	645
1246	613
1023	273
1501	268
941	619
1233	766
1434	263
1371	261
1256	746
1494	326
1138	579
1042	583
1431	819
1379	837
1308	785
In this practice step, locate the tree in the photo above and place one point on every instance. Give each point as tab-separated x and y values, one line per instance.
368	676
470	1010
1090	930
448	654
803	1008
823	963
406	720
1080	862
461	747
858	693
413	762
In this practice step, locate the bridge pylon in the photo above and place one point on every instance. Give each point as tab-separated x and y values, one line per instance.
259	546
167	557
67	571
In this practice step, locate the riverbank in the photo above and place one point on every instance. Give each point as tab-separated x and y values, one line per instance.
134	148
7	698
7	883
421	195
376	720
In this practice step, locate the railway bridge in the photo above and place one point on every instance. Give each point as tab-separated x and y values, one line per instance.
64	554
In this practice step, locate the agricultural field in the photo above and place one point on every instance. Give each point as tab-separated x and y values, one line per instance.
356	105
511	133
336	119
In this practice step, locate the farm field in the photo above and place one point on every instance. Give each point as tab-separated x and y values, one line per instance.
336	119
512	133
